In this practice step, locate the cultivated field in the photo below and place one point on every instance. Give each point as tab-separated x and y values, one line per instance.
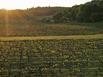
53	57
51	42
51	50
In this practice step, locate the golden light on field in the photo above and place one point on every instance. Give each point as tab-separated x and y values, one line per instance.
6	23
23	4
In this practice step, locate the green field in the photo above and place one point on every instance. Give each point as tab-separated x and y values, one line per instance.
46	29
32	48
52	41
51	58
51	50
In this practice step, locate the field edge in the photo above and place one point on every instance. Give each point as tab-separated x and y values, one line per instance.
97	36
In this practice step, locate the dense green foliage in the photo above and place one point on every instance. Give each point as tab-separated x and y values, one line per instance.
88	12
51	58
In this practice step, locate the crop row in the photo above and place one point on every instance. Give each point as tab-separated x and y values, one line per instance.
51	58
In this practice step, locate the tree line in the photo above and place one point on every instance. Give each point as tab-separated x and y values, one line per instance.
88	12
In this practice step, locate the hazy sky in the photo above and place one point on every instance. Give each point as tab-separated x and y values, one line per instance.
22	4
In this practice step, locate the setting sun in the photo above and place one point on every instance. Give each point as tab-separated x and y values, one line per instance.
22	4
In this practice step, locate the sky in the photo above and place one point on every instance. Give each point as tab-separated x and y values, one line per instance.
23	4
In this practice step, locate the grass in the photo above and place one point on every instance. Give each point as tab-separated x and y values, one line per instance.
44	29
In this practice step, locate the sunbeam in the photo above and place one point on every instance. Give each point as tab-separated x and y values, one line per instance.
6	23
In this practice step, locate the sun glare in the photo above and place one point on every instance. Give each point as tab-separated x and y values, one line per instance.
23	4
15	4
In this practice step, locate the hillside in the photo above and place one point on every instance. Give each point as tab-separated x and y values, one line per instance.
33	14
29	22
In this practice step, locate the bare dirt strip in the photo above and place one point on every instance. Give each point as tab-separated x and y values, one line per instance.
97	36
